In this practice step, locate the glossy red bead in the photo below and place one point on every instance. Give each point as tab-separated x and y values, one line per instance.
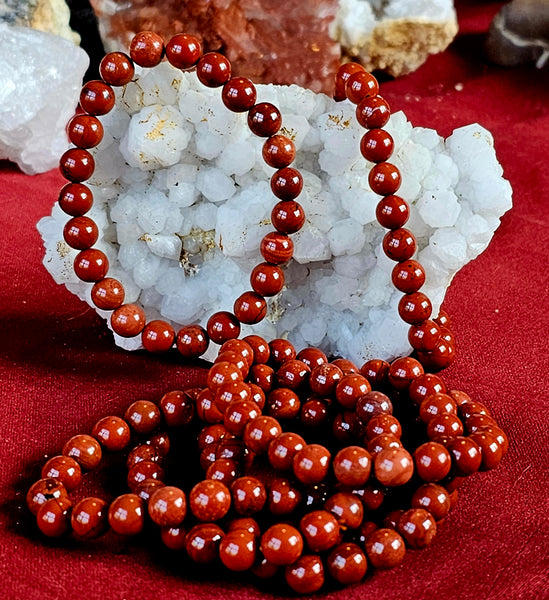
352	466
425	385
147	49
239	94
324	379
238	414
241	347
116	68
76	165
250	308
424	337
91	265
53	517
143	416
192	341
383	424
433	498
85	131
225	470
393	466
277	248
65	469
209	500
43	490
278	151
267	279
361	85
108	293
320	530
350	388
260	432
432	462
384	179
341	78
168	506
264	119
113	433
373	112
392	212
213	70
142	471
491	450
89	518
283	403
85	450
403	371
281	544
417	527
415	308
314	412
97	98
222	372
293	374
183	51
377	145
173	537
444	424
347	563
222	326
408	276
385	548
287	183
376	372
75	199
80	233
158	336
127	515
372	404
283	497
237	550
347	509
306	575
263	376
128	320
312	463
282	450
202	542
288	216
399	244
312	357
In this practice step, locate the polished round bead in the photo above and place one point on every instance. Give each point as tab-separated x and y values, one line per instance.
85	450
260	432
210	434
224	470
64	469
248	494
108	294
222	326
142	452
278	151
168	506
158	336
312	357
471	407
288	216
147	49
116	68
376	372
202	542
373	112
53	517
230	393
466	455
385	548
128	320
501	436
425	385
436	404
403	371
282	450
399	244
283	497
263	376
97	98
250	308
283	403
417	527
352	466
238	414
277	248
89	518
383	424
442	355
476	421
347	366
347	509
192	341
341	78
314	412
142	471
415	308
393	466
91	265
264	569
127	514
320	530
209	500
324	379
143	416
281	544
312	463
161	442
213	70
113	433
287	183
460	397
342	427
376	145
267	279
350	388
347	563
241	347
43	490
444	424
491	450
408	276
372	404
392	212
173	537
432	461
237	550
177	408
264	119
76	165
293	374
233	449
183	51
433	498
239	94
222	372
378	443
384	179
247	523
146	488
424	337
361	85
306	575
75	199
443	319
85	131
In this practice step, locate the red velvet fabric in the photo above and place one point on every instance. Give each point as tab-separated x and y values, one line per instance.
60	372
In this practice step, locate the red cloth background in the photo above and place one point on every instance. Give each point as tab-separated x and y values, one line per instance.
60	372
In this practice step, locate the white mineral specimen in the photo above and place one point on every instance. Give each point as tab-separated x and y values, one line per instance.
181	226
40	80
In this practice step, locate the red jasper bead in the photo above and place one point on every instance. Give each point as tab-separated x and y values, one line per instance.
224	470
393	466
238	414
424	337
75	199
385	548
384	179
442	355
501	436
403	371
283	403
432	462
376	372
281	350
414	308
372	404
408	276
85	131
373	112
377	145
443	319
264	119
306	575
143	416
168	506
288	216
293	374
341	78
263	376
147	49
239	94
76	165
384	440
97	98
444	424
80	233
399	244
65	469
91	265
347	509
347	563
470	407
222	372
287	183
417	527
158	336
250	308
312	357
491	450
260	432
142	471
392	212
128	320
281	544
361	85
267	279
277	248
192	341
383	424
433	498
183	51
278	151
425	385
436	404
142	452
314	412
85	450
237	550
202	542
213	70
352	466
53	517
173	537
324	379
210	434
44	490
283	497
241	347
146	488
348	367
127	514
236	359
222	326
466	455
283	449
113	433
320	530
312	463
209	500
350	388
108	294
116	68
89	518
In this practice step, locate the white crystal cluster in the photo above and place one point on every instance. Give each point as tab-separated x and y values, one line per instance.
40	80
182	200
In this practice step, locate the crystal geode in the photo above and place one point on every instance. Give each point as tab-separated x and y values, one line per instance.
182	200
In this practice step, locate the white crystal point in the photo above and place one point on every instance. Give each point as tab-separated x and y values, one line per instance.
40	80
184	237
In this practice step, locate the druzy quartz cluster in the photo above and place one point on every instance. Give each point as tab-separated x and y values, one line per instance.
182	201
